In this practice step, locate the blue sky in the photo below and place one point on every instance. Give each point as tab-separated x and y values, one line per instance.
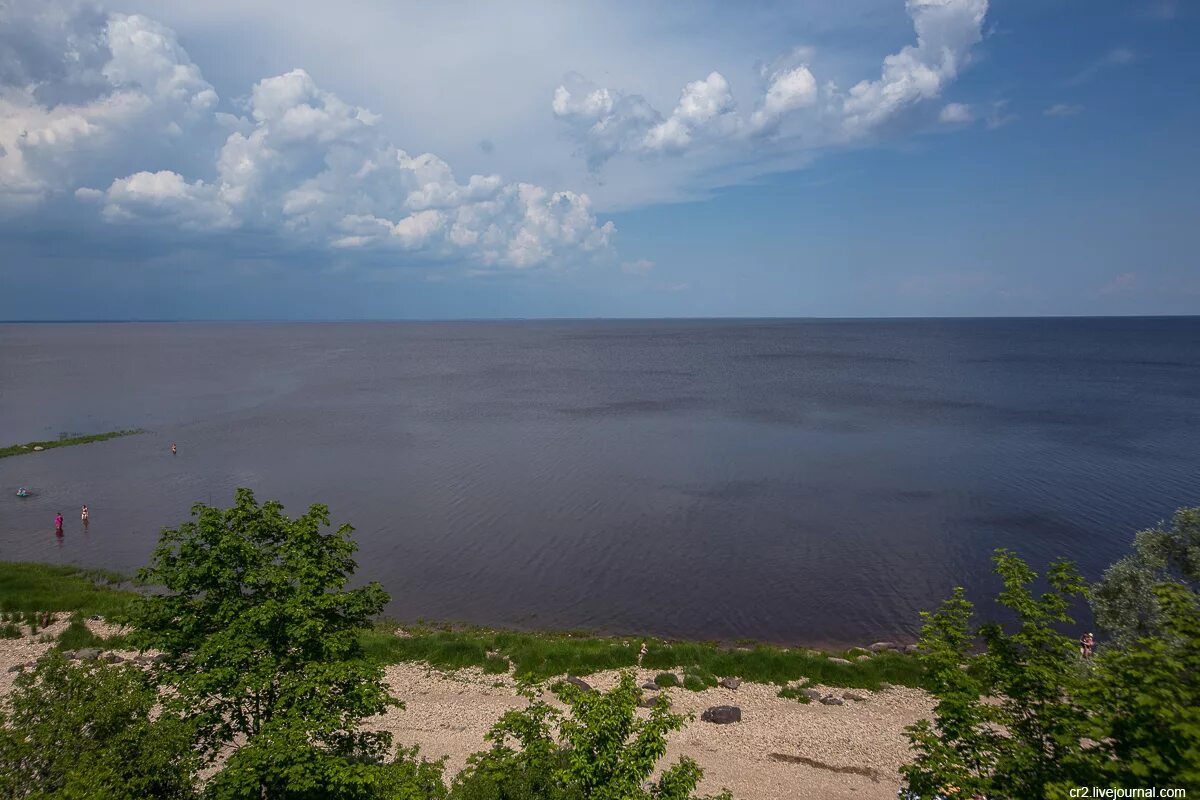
375	159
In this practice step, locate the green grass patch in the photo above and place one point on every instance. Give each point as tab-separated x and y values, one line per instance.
495	665
29	588
10	630
540	656
795	691
666	680
64	441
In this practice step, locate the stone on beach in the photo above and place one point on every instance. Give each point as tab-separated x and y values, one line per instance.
722	715
839	661
730	683
830	700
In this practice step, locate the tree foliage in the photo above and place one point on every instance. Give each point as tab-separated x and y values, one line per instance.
1026	716
261	639
84	730
1125	602
599	750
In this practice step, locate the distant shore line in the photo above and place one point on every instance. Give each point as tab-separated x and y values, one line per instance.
65	441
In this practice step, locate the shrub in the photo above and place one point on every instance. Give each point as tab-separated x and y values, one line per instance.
85	730
665	680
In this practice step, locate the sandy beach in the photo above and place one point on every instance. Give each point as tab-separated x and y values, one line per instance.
781	750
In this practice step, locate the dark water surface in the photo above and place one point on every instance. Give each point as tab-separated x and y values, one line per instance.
792	481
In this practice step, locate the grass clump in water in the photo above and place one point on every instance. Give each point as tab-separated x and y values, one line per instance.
64	441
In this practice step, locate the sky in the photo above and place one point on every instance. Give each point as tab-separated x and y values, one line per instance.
374	159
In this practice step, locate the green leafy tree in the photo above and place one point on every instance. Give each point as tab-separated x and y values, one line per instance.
84	731
600	751
1125	602
1144	702
1007	723
261	641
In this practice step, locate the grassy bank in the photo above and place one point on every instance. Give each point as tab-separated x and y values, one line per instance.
533	656
66	441
537	656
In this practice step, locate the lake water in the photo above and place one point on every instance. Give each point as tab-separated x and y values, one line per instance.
788	481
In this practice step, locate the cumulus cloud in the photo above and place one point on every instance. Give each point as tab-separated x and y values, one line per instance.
298	162
606	122
80	91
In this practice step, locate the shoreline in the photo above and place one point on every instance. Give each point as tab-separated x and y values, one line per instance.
781	749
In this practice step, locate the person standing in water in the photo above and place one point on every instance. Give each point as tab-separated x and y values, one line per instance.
58	523
173	451
83	516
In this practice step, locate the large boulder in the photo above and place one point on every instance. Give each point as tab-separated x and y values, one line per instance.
87	653
879	647
812	694
722	715
730	683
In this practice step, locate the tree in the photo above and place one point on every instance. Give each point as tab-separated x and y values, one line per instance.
85	731
602	751
1144	702
1007	723
261	641
1124	602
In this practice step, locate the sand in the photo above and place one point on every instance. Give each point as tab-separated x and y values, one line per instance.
781	750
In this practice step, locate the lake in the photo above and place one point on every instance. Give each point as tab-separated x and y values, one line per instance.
792	481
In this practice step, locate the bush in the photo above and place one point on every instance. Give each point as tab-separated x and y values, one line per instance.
85	730
666	680
599	751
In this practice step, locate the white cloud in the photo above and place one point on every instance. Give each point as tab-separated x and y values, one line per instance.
956	113
605	122
74	99
301	164
1062	110
639	267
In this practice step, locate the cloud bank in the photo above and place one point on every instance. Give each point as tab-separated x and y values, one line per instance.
606	123
109	111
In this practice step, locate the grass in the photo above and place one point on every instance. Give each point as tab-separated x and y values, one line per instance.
540	656
64	441
796	692
665	680
48	587
77	636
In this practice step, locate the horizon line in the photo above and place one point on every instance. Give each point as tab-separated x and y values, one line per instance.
298	320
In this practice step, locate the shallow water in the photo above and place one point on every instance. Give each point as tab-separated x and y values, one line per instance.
790	481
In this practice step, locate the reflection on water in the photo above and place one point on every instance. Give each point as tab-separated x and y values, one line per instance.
780	480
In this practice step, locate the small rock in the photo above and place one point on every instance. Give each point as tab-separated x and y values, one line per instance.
812	694
722	715
37	448
650	686
648	701
16	668
879	647
863	657
159	658
730	683
814	653
583	685
884	686
838	661
87	653
830	700
911	648
113	658
95	617
68	653
856	697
